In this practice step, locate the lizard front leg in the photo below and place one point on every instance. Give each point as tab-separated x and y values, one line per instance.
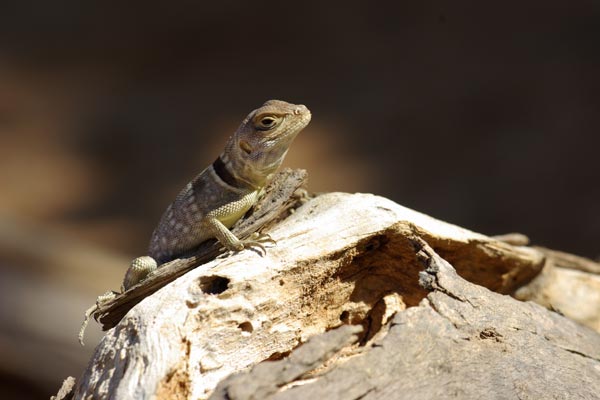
231	242
221	219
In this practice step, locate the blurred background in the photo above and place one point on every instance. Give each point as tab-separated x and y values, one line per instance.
486	116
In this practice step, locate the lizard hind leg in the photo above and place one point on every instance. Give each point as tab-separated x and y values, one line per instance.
139	270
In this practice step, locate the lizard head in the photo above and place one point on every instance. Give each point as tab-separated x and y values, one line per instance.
261	142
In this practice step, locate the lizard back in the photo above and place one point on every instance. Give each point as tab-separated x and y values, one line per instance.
181	227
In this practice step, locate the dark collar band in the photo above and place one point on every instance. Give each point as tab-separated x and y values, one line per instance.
223	173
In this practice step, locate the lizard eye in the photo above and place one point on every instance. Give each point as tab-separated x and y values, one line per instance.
267	122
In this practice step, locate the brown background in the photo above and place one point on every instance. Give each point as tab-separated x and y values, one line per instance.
483	115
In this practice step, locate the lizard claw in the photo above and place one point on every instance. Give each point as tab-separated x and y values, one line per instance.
257	237
259	240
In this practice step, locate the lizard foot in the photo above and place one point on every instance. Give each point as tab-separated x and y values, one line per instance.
259	240
256	240
103	298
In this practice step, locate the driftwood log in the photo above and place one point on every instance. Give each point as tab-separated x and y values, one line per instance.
360	298
462	341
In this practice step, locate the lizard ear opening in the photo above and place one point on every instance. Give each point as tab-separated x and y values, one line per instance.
245	146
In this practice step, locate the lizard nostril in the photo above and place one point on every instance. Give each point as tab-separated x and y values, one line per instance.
301	108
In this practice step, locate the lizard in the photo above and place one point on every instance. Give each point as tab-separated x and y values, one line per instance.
222	193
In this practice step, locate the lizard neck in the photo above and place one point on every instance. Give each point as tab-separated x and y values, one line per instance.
234	175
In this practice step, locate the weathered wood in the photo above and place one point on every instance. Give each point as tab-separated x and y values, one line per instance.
340	259
267	378
66	390
572	292
570	261
462	341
